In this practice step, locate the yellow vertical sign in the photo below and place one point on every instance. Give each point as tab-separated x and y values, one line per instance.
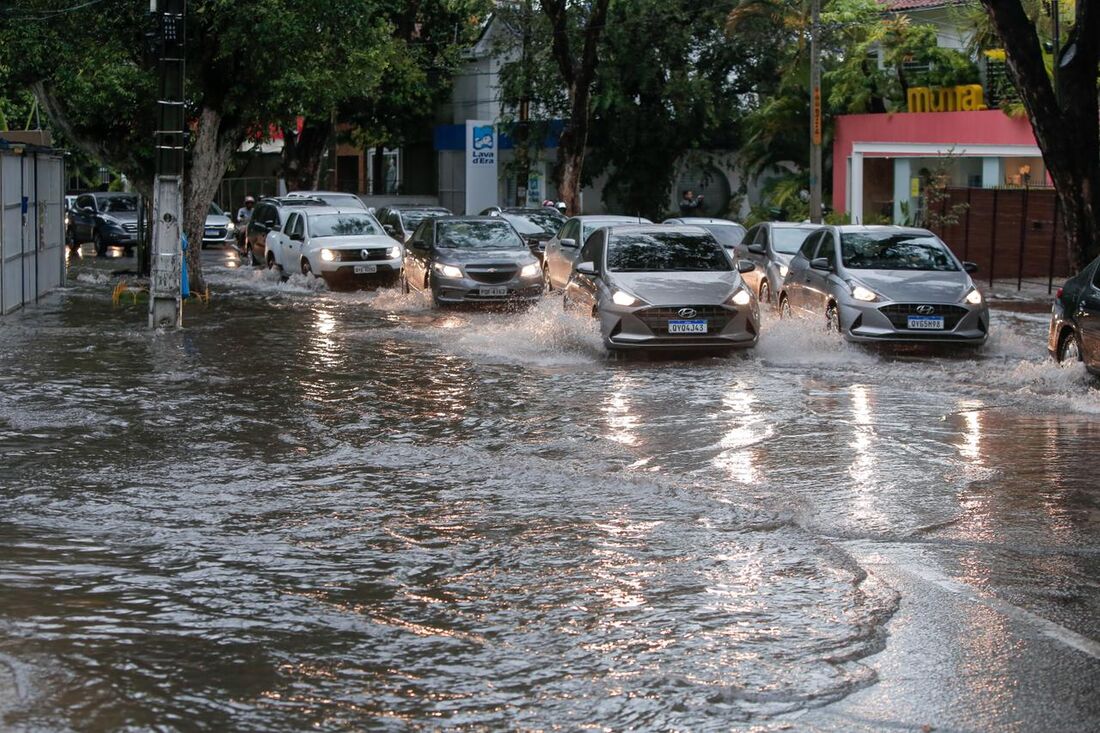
817	116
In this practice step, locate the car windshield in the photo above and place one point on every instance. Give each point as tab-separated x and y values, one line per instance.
413	217
342	225
523	226
348	201
789	241
649	251
478	235
548	221
728	235
593	224
215	211
116	204
894	251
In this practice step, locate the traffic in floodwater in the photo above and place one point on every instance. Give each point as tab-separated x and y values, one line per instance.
348	510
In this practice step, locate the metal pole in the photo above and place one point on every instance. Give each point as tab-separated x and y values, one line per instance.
993	240
815	115
1023	243
165	305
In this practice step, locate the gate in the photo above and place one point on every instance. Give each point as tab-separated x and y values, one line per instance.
32	224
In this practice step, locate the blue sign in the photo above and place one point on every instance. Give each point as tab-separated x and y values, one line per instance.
483	137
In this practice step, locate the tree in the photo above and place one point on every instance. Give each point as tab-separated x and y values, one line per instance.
578	73
1066	120
89	68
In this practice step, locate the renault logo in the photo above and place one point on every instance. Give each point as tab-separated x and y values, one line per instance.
687	313
364	254
926	310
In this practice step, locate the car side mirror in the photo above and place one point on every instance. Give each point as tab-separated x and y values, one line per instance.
297	237
389	229
821	263
757	249
569	243
587	268
970	267
744	266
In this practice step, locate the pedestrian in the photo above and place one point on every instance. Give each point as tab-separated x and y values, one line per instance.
690	203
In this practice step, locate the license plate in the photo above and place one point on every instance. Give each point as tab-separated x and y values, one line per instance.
211	232
366	269
687	326
492	292
926	323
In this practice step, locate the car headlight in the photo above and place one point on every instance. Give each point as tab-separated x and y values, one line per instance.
621	297
783	270
447	270
861	293
531	270
393	252
973	297
328	255
741	297
230	227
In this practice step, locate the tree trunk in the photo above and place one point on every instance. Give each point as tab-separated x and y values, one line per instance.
302	154
1066	125
211	149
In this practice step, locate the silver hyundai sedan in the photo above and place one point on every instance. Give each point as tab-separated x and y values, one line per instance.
885	283
661	286
471	259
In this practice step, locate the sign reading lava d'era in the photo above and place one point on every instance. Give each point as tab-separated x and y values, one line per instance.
481	165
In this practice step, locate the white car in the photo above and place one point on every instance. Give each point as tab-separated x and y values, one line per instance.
333	198
342	246
562	248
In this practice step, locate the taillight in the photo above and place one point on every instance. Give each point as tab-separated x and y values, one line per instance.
1058	295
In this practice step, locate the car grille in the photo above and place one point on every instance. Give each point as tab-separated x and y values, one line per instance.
356	255
214	233
900	312
656	319
492	274
130	226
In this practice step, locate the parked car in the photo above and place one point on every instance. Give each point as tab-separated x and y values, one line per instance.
401	220
270	214
537	226
662	286
343	246
106	219
885	283
70	204
1075	320
562	249
339	199
728	233
471	259
772	245
219	230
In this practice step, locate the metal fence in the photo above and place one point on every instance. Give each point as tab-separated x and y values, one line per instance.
32	226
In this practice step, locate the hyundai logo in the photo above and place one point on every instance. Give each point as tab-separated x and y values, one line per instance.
926	310
364	254
687	313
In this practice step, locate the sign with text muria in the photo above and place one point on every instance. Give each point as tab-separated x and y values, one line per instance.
481	165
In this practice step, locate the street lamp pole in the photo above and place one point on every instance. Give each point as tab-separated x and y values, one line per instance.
815	114
165	304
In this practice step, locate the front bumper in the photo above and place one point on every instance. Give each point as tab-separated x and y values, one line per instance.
886	322
466	289
345	271
646	327
222	237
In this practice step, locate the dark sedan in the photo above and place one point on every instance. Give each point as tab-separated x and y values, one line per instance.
1075	320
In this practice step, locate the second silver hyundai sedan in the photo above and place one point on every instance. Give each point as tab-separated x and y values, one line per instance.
885	283
661	286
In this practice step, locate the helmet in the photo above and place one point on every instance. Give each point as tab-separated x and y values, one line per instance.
249	200
561	205
547	202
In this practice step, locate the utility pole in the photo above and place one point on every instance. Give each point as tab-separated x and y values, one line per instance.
815	114
165	305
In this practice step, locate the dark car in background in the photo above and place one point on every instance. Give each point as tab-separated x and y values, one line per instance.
536	226
270	213
108	219
1075	320
401	220
728	232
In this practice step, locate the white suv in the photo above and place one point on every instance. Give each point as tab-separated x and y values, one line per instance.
343	246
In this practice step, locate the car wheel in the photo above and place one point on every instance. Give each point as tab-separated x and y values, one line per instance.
546	284
765	292
832	318
253	259
306	269
1069	348
270	261
784	307
100	245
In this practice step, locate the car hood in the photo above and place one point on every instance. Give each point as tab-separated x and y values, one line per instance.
354	242
470	256
678	288
916	285
125	216
217	220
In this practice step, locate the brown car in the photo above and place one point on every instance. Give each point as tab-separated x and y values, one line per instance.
270	214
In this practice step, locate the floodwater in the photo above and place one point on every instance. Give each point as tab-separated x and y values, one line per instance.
337	511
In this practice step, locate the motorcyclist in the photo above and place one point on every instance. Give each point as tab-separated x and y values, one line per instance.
244	215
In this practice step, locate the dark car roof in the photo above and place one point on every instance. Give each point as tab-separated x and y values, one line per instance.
411	207
658	228
112	194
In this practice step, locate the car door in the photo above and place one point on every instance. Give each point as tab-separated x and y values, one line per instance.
1088	321
287	249
584	289
747	250
83	220
816	291
561	265
797	278
418	254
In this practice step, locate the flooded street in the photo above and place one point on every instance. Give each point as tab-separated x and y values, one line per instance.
342	511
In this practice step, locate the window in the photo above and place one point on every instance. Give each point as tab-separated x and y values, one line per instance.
809	245
788	240
827	248
895	250
1096	278
592	251
291	222
752	236
729	235
569	231
85	202
478	235
413	217
341	225
650	251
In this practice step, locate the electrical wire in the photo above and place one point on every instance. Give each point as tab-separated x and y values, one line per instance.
46	14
